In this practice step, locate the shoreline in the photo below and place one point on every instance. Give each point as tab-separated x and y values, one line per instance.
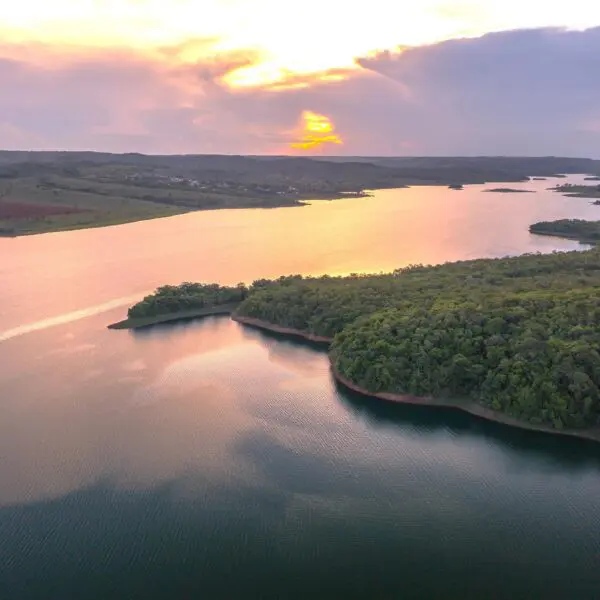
138	323
259	324
95	225
566	236
293	202
468	406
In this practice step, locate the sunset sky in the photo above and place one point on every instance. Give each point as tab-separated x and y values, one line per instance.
327	76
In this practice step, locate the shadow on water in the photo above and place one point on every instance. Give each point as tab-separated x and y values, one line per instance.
185	551
269	337
177	326
248	332
407	419
567	452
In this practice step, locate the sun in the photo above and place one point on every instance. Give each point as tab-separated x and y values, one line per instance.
316	131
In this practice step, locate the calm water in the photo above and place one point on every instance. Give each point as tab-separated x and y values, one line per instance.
204	460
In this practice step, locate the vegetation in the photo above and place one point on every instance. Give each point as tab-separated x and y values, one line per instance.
577	229
578	191
532	356
186	298
51	191
31	208
325	305
518	335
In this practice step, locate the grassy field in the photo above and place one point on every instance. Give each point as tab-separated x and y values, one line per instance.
30	208
54	191
64	203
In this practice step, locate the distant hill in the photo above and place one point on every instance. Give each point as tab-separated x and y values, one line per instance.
48	191
414	169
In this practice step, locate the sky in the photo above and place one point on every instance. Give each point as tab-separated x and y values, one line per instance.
384	77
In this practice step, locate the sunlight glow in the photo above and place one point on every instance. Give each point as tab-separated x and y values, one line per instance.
317	130
283	39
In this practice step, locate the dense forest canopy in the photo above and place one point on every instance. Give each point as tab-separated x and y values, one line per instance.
170	299
571	228
532	356
325	305
518	335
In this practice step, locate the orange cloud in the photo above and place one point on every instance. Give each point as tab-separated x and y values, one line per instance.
317	130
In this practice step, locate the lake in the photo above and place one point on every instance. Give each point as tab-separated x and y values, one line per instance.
206	460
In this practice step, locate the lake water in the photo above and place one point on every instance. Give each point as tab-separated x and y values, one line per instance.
205	460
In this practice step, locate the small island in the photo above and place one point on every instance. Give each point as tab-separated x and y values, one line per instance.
510	191
456	186
513	340
587	232
539	178
578	191
592	178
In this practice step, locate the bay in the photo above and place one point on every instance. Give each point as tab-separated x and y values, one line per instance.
205	460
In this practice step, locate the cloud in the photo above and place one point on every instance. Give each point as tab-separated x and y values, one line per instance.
518	92
530	92
114	101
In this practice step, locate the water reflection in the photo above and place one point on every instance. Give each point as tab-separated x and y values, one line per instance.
144	408
50	276
420	421
80	403
304	357
203	456
229	448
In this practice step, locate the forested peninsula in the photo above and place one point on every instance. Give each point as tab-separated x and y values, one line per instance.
578	191
185	301
574	229
514	340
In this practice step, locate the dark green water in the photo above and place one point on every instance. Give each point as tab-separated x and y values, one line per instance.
204	460
209	461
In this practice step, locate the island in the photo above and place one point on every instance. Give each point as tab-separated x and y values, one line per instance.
539	178
509	191
456	186
578	191
58	191
514	340
592	178
587	232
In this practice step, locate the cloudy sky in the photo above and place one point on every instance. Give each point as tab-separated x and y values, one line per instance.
384	77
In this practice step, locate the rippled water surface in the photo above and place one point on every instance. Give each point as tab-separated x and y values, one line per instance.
205	460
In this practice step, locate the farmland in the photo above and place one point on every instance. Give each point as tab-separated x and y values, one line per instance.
54	191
